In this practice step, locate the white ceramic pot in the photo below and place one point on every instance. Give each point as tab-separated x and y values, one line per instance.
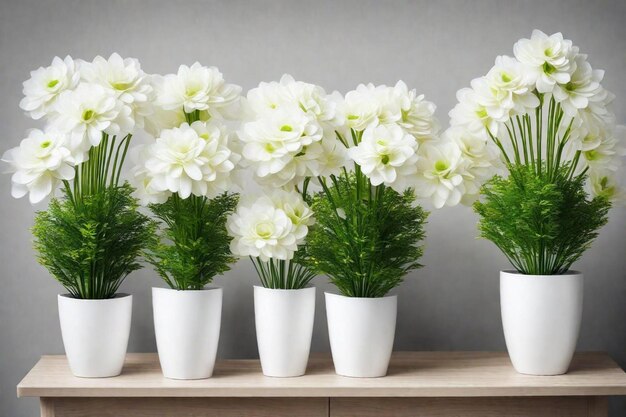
361	332
284	325
187	329
541	317
95	334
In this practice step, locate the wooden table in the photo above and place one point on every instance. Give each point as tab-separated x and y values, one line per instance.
419	384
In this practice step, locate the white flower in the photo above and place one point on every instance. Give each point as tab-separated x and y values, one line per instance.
386	155
195	88
417	114
471	114
603	183
88	111
549	59
311	99
296	209
440	178
39	164
334	156
141	179
583	85
608	154
190	160
506	89
46	84
262	230
361	107
125	78
271	141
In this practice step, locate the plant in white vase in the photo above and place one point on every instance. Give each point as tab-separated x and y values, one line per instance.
186	178
270	229
91	235
359	162
547	117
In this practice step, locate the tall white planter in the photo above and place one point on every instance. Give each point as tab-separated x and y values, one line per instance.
541	317
361	332
284	325
187	329
95	334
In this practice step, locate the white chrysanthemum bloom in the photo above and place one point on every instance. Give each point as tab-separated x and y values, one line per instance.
45	85
333	157
603	183
506	89
195	88
417	115
141	179
88	111
39	164
272	140
185	162
386	155
361	107
262	230
548	59
161	119
310	98
125	78
440	169
608	154
470	113
296	209
583	86
482	156
269	96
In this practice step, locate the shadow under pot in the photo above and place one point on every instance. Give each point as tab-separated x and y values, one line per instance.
187	329
541	317
361	333
284	326
95	334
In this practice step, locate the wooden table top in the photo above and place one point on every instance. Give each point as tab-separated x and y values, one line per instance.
411	374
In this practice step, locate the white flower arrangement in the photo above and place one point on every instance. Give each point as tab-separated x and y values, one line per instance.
190	159
288	134
547	77
82	105
270	226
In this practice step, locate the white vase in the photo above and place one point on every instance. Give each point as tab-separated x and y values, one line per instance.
284	325
187	329
95	334
361	332
541	317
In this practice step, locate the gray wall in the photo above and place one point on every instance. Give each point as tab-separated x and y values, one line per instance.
437	47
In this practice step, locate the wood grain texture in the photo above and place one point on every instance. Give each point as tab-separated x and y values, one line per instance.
191	407
598	407
463	407
46	407
411	374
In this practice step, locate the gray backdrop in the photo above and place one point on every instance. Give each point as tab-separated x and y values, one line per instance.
436	47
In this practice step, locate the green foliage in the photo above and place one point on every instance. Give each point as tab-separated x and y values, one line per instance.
90	244
365	238
193	245
542	223
284	275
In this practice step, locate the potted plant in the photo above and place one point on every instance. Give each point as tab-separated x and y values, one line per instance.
546	116
355	161
186	178
91	235
269	229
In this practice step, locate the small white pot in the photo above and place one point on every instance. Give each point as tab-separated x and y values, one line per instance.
95	334
284	325
541	317
361	332
187	329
